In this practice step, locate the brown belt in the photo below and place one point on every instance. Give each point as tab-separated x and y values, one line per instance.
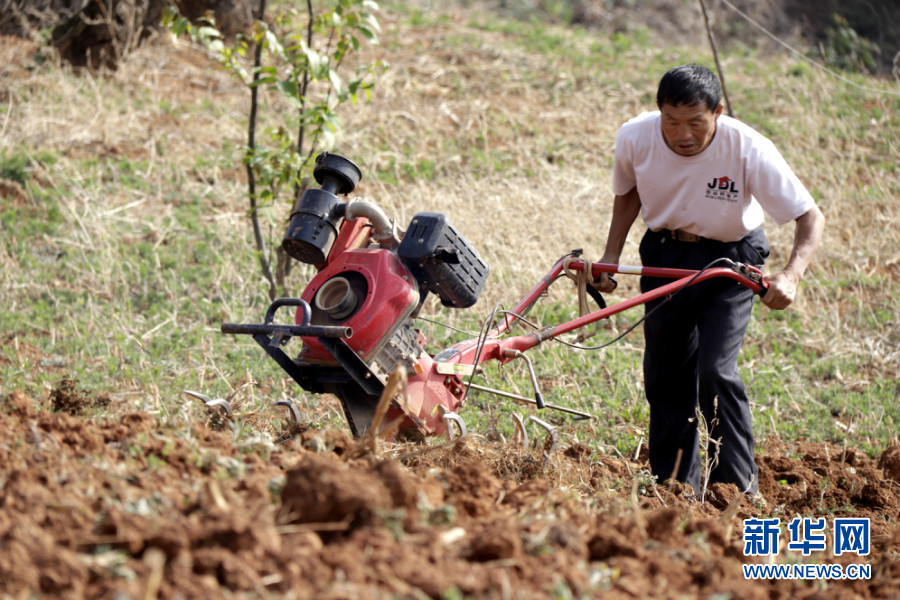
681	235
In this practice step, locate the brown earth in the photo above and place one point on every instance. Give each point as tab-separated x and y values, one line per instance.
122	507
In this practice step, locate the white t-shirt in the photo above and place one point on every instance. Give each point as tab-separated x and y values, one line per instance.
720	193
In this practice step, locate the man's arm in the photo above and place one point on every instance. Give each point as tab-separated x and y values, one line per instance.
625	211
783	285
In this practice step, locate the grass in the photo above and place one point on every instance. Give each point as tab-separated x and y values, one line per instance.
129	246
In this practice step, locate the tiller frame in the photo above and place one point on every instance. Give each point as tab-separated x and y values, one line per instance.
355	317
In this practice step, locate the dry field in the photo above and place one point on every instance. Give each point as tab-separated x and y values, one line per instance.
122	508
112	486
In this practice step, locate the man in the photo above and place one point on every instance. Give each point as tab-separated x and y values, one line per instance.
702	181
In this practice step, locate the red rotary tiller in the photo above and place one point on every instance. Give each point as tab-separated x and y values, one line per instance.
355	319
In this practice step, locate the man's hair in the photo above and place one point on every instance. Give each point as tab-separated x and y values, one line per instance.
689	85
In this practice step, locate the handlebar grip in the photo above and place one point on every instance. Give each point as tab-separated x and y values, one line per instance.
319	331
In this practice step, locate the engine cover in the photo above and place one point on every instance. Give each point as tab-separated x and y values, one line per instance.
442	261
345	293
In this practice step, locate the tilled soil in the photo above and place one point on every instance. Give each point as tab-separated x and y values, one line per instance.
124	508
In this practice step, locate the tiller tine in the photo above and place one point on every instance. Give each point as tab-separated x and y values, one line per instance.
521	433
292	409
448	417
209	403
550	441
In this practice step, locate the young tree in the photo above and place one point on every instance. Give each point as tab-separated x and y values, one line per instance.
307	69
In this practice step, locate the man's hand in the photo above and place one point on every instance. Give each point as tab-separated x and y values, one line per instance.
782	290
807	235
604	282
625	211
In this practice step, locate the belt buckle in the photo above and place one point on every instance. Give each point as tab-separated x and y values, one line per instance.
685	236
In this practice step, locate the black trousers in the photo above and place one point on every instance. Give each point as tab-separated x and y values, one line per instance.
693	338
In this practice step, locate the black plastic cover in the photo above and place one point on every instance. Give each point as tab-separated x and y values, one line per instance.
442	262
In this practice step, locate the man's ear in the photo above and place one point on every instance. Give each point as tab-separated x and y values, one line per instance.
718	112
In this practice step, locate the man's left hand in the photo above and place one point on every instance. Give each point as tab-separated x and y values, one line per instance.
782	290
783	285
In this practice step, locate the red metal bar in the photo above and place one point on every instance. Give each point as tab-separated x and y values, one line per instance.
529	341
503	350
596	269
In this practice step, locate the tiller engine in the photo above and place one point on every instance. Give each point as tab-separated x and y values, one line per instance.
355	317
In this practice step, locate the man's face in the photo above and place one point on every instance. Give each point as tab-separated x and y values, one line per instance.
688	129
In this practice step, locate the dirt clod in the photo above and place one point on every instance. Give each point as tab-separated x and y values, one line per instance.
889	462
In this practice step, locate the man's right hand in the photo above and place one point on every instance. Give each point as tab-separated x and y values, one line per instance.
625	211
604	283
